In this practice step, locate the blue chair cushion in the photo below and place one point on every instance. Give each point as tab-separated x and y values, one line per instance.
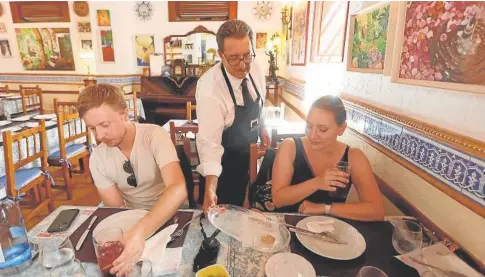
23	176
71	150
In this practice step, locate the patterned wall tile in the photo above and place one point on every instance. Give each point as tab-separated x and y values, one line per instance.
474	185
121	80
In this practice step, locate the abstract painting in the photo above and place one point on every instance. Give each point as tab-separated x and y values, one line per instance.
107	46
84	27
45	48
261	39
443	45
5	51
104	18
329	30
144	47
299	37
368	40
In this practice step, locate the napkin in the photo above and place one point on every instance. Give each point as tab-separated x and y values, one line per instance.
164	260
440	256
321	226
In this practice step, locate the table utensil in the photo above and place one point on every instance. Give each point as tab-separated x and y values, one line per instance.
318	236
85	234
180	231
331	236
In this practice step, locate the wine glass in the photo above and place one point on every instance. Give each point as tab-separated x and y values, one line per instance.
341	192
407	236
142	268
73	268
108	246
56	251
370	271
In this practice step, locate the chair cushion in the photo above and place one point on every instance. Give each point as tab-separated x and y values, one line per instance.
71	150
23	176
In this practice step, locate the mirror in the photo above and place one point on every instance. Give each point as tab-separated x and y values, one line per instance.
198	47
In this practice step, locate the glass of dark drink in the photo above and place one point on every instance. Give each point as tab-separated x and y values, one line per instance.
108	245
341	192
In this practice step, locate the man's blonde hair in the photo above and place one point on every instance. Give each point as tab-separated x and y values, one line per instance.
97	95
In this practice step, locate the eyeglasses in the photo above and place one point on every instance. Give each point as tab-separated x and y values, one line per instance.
131	180
246	58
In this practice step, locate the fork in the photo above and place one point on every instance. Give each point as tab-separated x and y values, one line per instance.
328	234
180	231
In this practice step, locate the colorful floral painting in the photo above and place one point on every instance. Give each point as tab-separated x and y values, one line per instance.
444	42
84	27
107	46
45	48
368	40
299	37
104	18
144	47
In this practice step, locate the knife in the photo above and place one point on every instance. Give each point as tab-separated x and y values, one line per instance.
329	235
318	236
85	234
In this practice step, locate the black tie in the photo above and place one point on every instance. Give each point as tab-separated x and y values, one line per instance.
245	92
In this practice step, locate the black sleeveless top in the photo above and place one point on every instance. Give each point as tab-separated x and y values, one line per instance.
303	172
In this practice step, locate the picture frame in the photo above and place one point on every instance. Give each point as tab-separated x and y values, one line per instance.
442	44
86	44
5	49
84	27
299	37
106	45
103	18
144	45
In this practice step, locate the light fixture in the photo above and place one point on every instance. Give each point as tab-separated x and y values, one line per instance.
88	57
286	15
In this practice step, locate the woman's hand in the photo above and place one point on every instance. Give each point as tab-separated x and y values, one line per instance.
308	207
134	246
332	179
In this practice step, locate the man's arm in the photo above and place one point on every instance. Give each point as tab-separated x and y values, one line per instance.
108	191
111	196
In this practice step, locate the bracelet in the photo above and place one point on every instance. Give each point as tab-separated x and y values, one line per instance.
328	209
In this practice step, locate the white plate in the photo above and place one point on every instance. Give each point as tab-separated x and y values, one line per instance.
14	97
5	122
288	265
12	129
31	124
355	241
124	220
21	118
45	116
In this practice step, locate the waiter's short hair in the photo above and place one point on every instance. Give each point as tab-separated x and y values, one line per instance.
332	104
233	28
97	95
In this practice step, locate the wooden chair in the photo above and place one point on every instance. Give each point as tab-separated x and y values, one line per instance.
131	103
4	89
189	110
64	106
181	132
192	178
20	180
278	138
31	99
69	149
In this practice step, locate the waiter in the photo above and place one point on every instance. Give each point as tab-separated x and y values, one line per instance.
230	98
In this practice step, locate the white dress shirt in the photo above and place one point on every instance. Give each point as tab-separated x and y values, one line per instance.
215	112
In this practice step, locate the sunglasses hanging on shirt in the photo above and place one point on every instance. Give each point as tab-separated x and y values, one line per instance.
208	251
131	180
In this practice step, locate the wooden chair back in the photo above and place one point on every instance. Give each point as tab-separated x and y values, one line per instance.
4	89
178	133
131	103
277	138
76	129
31	99
35	137
189	109
64	106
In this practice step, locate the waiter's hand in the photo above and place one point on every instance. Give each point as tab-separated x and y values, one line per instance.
264	137
210	200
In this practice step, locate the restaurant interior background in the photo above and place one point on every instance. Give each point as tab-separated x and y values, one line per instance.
390	121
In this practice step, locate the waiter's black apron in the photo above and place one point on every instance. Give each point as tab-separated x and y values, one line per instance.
233	181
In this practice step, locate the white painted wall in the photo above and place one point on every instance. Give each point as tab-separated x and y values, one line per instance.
458	111
125	25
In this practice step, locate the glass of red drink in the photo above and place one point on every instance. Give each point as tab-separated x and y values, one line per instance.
108	245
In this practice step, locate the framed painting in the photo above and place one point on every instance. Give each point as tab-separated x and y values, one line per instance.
86	45
104	18
367	47
107	46
261	39
144	47
329	30
299	37
45	48
5	51
84	27
442	49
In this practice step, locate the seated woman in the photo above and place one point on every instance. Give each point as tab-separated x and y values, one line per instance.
305	172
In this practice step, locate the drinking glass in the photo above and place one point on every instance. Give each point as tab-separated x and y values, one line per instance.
370	271
56	251
142	268
407	236
341	192
73	268
108	246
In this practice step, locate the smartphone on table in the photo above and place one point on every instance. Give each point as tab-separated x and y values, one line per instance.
63	220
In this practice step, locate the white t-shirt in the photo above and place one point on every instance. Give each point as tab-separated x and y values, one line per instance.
152	149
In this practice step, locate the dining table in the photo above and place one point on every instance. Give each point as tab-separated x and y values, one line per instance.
240	260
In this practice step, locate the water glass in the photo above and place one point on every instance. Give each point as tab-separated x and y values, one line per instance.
370	271
73	268
142	268
56	251
341	192
108	246
407	236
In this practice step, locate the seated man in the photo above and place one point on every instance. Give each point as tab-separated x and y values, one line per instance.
305	177
134	165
